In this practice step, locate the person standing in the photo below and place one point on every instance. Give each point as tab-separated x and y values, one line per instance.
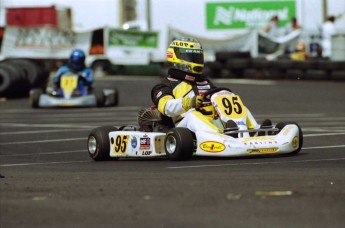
272	28
327	31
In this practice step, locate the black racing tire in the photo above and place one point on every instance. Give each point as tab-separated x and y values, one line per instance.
35	74
100	97
281	125
179	144
116	97
5	82
98	144
34	98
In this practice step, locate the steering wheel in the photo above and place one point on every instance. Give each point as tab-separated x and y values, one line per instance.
207	99
207	95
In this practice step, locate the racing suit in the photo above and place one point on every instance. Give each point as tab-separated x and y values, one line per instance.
86	74
168	97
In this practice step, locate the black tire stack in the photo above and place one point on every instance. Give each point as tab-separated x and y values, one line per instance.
242	65
18	76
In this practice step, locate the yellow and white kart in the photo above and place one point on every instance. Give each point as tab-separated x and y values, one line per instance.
108	142
72	94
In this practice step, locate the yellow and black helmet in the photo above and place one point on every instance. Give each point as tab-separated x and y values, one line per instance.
186	54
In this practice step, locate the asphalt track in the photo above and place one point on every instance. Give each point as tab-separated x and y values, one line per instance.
48	180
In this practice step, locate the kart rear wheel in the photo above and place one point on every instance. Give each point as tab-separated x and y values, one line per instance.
35	95
179	144
100	97
281	125
98	144
116	97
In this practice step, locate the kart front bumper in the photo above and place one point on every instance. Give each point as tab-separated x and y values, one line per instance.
50	101
219	145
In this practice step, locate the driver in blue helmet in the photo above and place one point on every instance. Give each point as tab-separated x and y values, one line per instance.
76	65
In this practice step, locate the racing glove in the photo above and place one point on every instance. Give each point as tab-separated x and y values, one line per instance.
192	102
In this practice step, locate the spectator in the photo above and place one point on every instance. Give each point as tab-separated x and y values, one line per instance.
292	26
327	31
289	28
272	28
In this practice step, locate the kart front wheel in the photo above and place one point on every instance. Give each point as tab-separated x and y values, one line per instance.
281	125
98	144
179	144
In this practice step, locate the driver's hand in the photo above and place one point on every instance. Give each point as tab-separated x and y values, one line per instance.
194	102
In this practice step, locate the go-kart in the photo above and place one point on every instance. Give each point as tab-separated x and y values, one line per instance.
154	138
72	93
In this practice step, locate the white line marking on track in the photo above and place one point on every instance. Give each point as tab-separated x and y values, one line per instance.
43	163
324	134
47	125
322	147
49	111
47	153
245	81
254	163
40	131
42	141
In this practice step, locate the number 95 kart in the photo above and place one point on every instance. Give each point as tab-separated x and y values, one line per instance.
156	137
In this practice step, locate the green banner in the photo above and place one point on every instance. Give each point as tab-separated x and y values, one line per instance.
135	39
241	15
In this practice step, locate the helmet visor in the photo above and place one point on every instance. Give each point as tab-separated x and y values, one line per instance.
190	55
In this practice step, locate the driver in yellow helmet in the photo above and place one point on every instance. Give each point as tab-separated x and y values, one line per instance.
179	95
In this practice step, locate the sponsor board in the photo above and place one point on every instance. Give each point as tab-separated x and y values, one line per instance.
247	14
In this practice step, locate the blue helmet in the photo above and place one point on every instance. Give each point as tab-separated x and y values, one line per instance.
76	60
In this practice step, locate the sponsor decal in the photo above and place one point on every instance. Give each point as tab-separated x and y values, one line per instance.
204	87
170	54
172	79
146	152
262	140
134	142
212	147
262	150
197	45
145	143
295	142
201	92
159	94
189	78
240	123
180	43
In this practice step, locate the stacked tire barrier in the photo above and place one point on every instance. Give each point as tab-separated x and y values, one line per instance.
18	76
241	65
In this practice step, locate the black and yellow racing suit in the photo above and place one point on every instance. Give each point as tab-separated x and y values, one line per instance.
169	93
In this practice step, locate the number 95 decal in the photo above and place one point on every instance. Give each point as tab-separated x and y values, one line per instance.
120	144
231	106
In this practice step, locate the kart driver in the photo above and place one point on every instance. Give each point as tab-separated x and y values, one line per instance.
76	65
179	95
